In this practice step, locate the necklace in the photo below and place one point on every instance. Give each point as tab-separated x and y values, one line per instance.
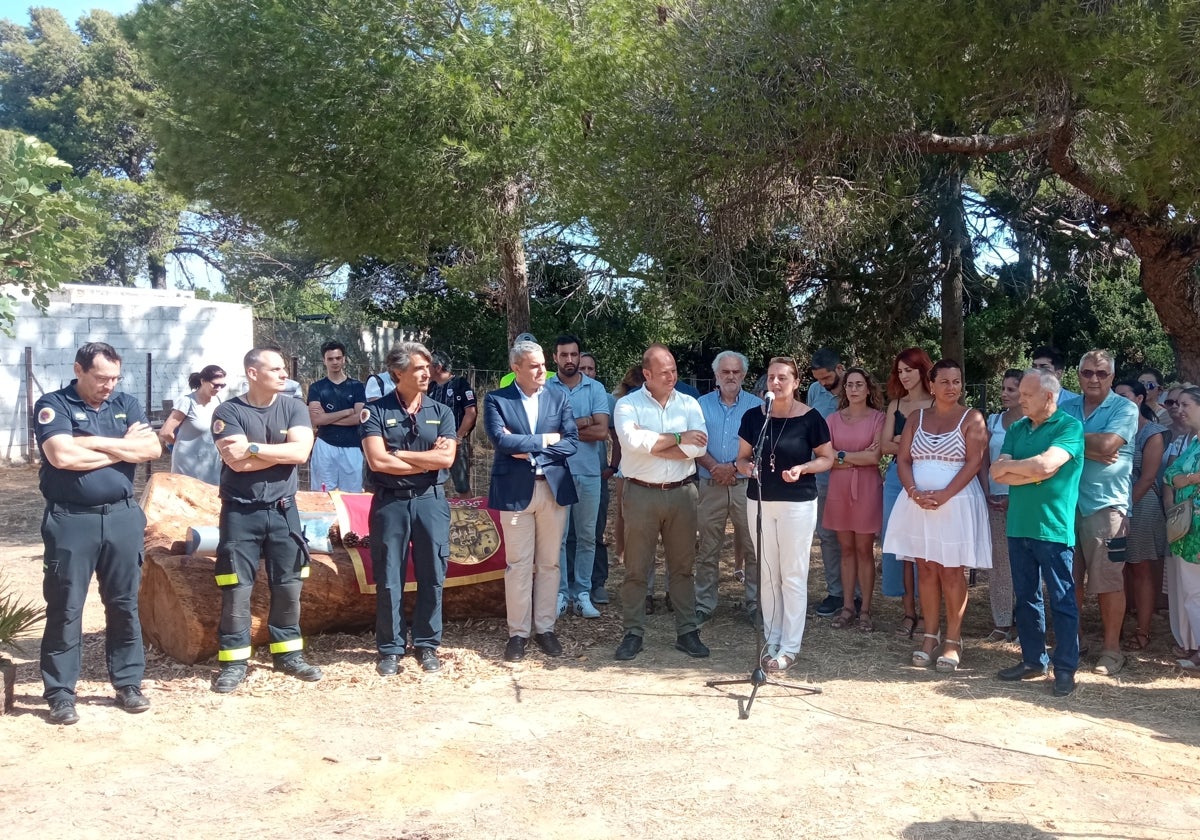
775	439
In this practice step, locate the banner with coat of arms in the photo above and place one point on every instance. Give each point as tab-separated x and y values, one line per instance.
476	541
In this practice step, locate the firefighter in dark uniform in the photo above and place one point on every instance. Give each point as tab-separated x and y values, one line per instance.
409	442
262	436
91	437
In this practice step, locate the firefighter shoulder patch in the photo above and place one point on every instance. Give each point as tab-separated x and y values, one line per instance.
46	415
218	426
364	416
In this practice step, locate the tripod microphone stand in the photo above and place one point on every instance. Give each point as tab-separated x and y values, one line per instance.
758	677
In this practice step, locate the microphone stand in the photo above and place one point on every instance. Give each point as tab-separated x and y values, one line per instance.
758	677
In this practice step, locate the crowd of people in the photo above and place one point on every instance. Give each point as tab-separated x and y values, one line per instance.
1082	494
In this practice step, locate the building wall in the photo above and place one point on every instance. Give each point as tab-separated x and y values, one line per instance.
180	333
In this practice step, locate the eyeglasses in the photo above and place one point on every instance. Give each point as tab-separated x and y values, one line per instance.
1095	374
1149	386
217	386
106	380
1170	403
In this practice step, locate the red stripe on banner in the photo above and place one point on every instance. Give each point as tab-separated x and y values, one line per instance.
476	541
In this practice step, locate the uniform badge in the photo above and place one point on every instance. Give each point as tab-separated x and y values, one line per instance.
449	392
364	416
79	415
391	421
45	415
218	426
470	394
120	416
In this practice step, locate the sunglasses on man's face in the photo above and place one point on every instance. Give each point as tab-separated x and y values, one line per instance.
1150	386
1170	403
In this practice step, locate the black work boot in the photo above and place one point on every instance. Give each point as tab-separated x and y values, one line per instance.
229	677
293	664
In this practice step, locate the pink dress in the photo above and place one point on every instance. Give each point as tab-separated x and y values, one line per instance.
855	500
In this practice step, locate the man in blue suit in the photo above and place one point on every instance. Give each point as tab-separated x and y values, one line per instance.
534	431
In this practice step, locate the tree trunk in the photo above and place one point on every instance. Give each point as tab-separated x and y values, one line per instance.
158	271
513	271
8	673
180	604
1166	272
955	242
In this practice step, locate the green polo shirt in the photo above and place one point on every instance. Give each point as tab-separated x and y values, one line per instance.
1045	510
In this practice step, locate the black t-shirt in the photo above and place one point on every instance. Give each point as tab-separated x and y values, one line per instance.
455	393
64	412
338	397
791	440
387	418
259	425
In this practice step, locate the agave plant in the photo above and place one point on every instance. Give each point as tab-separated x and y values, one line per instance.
17	617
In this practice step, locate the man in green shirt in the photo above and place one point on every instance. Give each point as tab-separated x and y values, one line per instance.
1041	460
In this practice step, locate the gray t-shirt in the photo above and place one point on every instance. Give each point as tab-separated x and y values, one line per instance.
194	452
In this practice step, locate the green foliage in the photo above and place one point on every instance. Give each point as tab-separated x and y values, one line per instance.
85	92
46	222
357	127
17	616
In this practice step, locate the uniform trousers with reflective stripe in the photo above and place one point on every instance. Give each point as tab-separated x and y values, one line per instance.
248	534
78	545
395	524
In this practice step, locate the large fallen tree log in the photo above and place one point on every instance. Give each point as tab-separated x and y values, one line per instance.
180	602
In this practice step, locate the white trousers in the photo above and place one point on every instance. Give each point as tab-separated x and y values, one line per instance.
787	534
1183	600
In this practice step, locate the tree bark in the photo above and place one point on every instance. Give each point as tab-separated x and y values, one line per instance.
513	271
180	603
955	242
158	271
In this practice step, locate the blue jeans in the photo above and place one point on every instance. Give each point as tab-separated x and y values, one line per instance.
831	549
576	577
600	566
894	570
1033	561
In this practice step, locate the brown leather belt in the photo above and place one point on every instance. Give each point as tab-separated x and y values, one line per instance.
670	485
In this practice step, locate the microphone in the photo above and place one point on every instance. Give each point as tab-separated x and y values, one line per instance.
769	397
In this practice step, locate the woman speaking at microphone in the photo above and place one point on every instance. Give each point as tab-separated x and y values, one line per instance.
795	447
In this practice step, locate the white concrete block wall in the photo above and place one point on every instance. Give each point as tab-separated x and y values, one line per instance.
183	334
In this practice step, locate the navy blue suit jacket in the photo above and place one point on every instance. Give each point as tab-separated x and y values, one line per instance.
512	478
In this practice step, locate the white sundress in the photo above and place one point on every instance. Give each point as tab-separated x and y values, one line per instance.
957	533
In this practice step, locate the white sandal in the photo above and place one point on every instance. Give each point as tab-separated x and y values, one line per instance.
946	665
920	658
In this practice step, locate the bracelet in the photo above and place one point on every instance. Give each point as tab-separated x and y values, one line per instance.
678	438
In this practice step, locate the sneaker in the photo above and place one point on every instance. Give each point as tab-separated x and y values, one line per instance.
831	605
63	713
562	604
599	595
584	608
131	699
294	665
229	677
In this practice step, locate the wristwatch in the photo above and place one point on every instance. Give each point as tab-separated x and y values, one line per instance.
253	450
842	458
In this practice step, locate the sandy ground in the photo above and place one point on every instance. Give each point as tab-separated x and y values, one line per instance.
586	747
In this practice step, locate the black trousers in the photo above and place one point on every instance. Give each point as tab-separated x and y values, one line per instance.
107	542
250	533
396	523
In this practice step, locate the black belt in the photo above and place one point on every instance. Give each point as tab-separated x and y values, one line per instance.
69	507
406	493
670	485
279	504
